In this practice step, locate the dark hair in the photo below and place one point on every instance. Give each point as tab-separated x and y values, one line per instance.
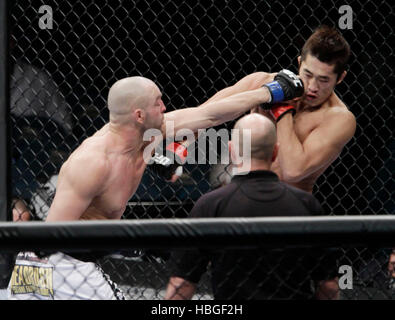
329	46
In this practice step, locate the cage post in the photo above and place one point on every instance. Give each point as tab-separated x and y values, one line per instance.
4	107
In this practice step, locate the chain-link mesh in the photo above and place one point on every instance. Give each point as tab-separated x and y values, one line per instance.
61	77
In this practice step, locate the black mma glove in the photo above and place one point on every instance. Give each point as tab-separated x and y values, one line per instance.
166	166
286	86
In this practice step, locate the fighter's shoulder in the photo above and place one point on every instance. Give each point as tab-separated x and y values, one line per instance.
341	121
340	113
87	158
337	111
337	108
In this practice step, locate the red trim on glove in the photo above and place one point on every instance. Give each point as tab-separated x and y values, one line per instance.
179	150
278	111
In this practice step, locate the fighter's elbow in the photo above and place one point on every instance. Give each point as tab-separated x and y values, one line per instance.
256	80
264	77
293	175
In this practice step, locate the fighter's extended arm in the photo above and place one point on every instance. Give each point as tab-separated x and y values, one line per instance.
80	181
250	82
216	112
299	160
226	106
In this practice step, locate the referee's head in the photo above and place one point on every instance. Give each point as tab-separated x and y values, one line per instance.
254	143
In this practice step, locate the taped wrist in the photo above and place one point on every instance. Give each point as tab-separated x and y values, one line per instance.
166	166
276	92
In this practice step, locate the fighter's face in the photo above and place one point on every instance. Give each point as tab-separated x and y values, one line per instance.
319	80
155	111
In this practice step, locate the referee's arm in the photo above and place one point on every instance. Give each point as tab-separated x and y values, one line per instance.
179	289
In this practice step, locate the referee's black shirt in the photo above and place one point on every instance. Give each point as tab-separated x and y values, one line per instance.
259	273
256	194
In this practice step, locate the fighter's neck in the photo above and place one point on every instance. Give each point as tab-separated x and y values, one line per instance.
301	106
125	138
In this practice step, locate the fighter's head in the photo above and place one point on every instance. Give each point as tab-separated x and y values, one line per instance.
136	101
262	148
322	64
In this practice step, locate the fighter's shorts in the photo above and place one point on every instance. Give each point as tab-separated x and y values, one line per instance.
59	277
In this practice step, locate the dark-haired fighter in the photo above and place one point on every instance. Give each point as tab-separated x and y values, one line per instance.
313	130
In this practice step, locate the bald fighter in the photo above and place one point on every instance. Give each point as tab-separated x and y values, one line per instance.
103	173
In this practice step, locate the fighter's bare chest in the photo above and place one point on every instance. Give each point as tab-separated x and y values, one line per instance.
305	122
123	182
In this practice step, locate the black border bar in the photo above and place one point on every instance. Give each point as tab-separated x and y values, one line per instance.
287	232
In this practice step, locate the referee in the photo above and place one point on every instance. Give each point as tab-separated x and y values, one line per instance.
255	191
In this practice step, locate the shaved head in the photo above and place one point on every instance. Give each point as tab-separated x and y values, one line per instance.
128	94
263	135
